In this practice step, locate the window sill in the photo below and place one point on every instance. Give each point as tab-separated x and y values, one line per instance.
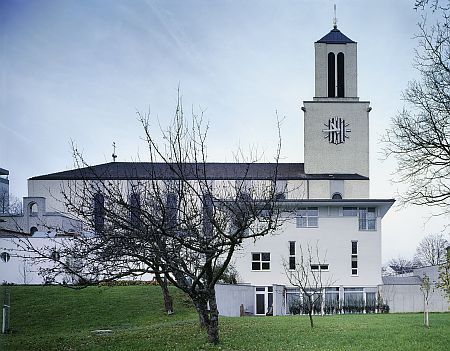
261	270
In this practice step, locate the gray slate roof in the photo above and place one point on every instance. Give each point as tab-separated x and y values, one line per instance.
335	37
399	280
210	171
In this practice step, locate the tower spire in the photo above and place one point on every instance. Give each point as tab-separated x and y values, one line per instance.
335	18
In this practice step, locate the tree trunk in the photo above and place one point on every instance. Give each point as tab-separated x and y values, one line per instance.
202	311
168	301
213	327
310	311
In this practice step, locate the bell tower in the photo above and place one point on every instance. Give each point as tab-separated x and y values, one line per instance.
335	61
336	128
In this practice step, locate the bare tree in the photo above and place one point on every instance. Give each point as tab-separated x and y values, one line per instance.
15	205
444	276
168	216
426	287
308	277
419	135
10	203
432	250
401	265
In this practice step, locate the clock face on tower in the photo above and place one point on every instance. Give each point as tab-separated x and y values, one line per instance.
336	130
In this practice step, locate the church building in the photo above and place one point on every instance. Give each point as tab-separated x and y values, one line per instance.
336	226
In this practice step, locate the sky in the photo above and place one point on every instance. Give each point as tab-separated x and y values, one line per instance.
78	71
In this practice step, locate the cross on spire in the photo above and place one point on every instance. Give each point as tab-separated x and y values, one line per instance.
335	18
114	156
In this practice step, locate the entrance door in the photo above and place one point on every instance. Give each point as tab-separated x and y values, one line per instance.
260	300
264	300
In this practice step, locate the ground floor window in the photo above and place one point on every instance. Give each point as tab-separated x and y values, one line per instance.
333	300
353	300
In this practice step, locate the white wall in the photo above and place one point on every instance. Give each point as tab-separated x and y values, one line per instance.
333	237
409	298
230	297
23	268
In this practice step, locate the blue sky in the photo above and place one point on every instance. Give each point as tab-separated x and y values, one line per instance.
79	70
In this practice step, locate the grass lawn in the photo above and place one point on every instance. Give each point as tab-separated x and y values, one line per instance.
57	318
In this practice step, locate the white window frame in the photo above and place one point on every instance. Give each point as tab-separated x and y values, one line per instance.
354	258
261	262
304	216
320	269
292	255
365	220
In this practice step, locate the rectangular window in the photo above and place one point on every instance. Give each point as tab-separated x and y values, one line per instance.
308	217
291	248
349	211
292	262
367	218
354	258
321	267
353	299
260	261
291	254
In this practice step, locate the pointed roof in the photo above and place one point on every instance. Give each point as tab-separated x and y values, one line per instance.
335	37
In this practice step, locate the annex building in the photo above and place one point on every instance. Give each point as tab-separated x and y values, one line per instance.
336	227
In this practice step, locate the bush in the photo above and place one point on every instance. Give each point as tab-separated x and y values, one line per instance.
128	282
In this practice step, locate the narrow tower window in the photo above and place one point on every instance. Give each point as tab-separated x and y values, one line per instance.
331	75
354	258
291	254
340	75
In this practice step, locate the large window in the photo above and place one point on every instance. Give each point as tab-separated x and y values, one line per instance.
260	261
354	258
367	218
308	217
331	300
353	300
135	209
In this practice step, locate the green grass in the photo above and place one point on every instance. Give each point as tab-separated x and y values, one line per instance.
56	318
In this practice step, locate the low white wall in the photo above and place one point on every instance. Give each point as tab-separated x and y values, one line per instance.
409	298
230	297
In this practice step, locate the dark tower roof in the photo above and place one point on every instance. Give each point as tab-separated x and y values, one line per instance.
335	37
